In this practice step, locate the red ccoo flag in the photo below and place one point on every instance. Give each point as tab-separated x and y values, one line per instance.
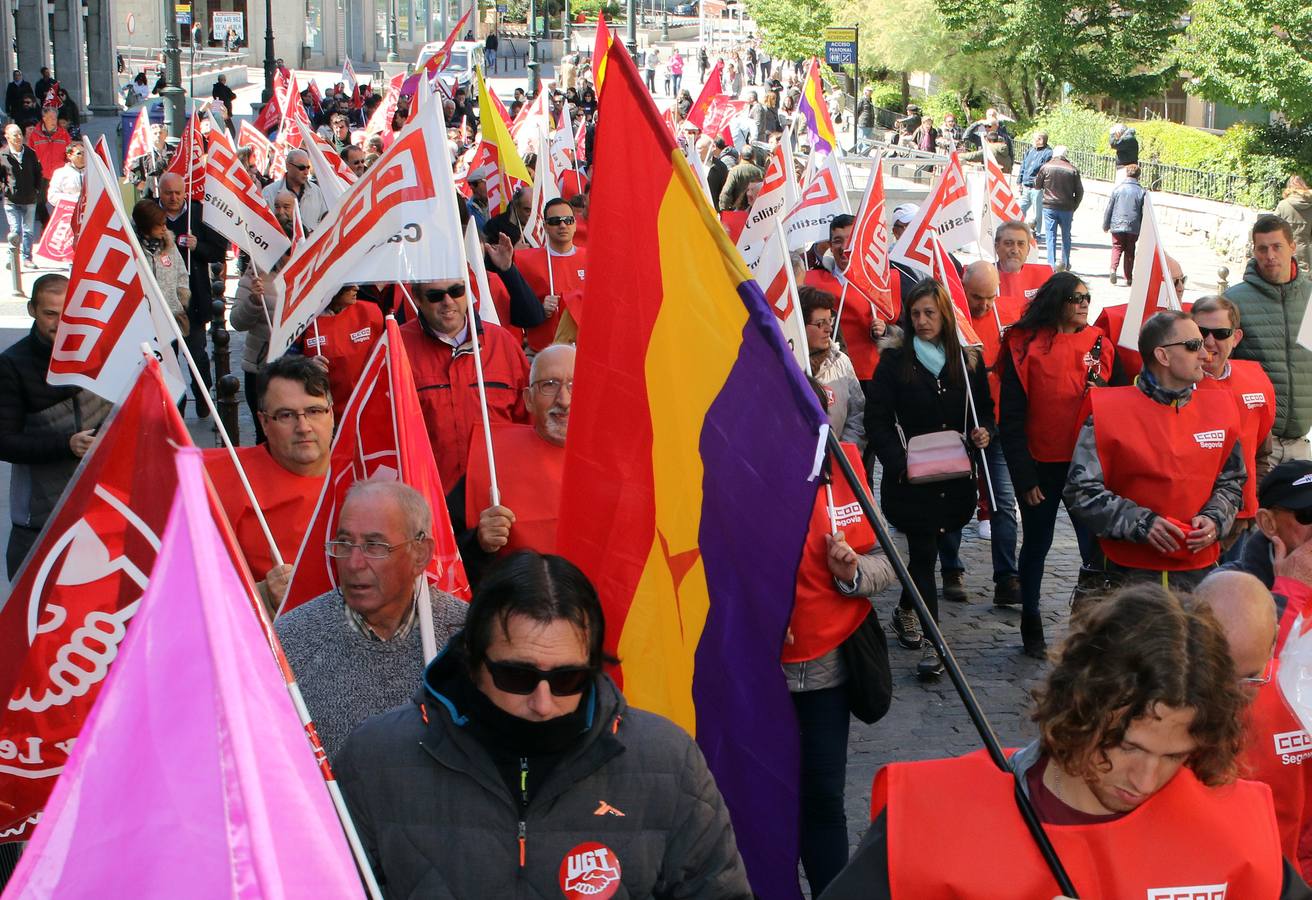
867	266
261	146
189	162
945	273
139	142
381	435
73	598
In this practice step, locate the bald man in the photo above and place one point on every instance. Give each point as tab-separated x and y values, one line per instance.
1112	320
1276	746
309	196
990	315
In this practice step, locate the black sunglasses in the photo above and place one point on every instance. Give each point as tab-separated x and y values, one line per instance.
559	220
299	168
1193	345
522	679
437	295
1220	334
1080	297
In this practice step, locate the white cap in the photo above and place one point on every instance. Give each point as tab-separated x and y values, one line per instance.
902	215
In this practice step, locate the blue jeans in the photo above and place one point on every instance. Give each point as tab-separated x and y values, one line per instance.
1040	522
1003	520
1032	198
675	81
823	719
22	220
490	59
949	552
1052	220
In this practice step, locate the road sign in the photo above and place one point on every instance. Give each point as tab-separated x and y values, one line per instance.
840	46
184	13
132	24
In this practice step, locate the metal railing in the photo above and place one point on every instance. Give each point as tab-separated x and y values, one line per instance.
208	59
1226	187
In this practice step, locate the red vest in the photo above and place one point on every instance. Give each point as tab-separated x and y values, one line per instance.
990	327
1112	321
1255	399
1023	285
1187	841
858	316
345	340
1165	459
1275	750
1054	372
286	499
448	390
565	281
823	618
529	473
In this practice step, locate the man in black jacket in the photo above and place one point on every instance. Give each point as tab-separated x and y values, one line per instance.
44	430
199	245
20	180
15	91
224	94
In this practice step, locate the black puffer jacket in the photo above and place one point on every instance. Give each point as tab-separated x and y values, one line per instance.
437	819
20	175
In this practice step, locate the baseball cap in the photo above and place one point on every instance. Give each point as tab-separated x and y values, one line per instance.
1288	485
903	214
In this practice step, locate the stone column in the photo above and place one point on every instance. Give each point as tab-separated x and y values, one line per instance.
102	65
32	38
69	53
7	38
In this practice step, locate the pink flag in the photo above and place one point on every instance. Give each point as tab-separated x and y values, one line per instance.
1152	290
193	773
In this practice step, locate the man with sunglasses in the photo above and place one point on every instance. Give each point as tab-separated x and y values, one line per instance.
356	650
520	770
555	272
1218	322
309	196
1158	474
441	350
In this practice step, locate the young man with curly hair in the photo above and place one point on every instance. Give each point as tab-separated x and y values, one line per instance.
1133	775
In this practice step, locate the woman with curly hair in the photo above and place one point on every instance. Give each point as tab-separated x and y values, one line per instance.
1133	776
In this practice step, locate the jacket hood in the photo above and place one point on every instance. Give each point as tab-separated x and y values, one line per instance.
1301	201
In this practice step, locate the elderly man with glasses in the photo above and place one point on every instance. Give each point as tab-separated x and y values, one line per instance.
308	194
1160	482
356	650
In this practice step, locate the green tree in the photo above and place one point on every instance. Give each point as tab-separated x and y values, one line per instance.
1117	48
791	29
1252	53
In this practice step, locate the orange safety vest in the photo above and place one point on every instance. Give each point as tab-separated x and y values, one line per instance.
990	328
529	474
1187	841
565	280
1255	399
823	618
1164	458
1023	285
858	317
1054	374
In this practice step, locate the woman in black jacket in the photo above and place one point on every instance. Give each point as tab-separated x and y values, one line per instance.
920	387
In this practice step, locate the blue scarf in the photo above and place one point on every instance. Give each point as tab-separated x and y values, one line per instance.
931	356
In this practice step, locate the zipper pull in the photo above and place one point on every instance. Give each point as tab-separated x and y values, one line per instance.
523	840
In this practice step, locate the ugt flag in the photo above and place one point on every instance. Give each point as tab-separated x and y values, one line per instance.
686	494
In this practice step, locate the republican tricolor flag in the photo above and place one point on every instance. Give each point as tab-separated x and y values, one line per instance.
814	111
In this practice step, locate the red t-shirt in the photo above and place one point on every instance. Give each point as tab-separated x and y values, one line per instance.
345	339
1051	809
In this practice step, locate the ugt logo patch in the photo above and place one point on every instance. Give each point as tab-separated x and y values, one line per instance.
590	871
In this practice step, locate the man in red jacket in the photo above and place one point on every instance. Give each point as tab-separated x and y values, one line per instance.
555	272
441	350
1133	774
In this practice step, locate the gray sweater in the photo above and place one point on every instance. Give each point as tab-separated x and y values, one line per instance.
346	677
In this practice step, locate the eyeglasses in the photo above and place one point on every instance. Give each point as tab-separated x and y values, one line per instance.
1193	345
822	324
1220	334
1264	678
559	220
522	679
370	549
550	387
286	417
304	168
1080	298
437	295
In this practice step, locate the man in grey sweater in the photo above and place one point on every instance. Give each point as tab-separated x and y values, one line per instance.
356	651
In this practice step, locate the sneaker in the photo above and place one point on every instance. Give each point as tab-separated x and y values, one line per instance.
930	666
985	531
1114	279
1006	592
954	587
907	628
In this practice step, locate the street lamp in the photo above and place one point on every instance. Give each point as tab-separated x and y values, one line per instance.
268	52
567	31
631	33
173	95
533	81
392	39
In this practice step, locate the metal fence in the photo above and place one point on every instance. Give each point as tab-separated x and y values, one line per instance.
1226	187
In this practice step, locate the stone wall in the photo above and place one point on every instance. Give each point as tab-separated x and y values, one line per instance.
1224	227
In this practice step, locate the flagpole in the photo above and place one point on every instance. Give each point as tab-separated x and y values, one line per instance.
970	399
471	320
414	307
955	675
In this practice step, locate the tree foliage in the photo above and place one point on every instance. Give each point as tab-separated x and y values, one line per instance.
791	29
1252	53
1117	48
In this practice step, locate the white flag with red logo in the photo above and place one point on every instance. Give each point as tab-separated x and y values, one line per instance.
945	273
292	128
74	597
946	214
58	238
774	274
114	304
261	146
397	223
381	435
331	171
189	162
476	276
235	208
823	197
867	255
348	75
997	204
546	187
139	142
778	193
1153	290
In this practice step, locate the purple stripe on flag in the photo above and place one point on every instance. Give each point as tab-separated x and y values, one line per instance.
758	447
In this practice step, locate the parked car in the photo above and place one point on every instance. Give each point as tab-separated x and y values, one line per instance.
686	9
460	71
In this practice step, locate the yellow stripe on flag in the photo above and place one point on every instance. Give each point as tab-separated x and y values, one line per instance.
499	135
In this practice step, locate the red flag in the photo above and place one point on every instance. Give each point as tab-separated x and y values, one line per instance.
381	121
600	51
719	113
442	58
291	135
73	598
499	107
139	143
867	258
710	90
101	148
381	435
945	273
261	146
57	239
316	96
271	113
189	162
